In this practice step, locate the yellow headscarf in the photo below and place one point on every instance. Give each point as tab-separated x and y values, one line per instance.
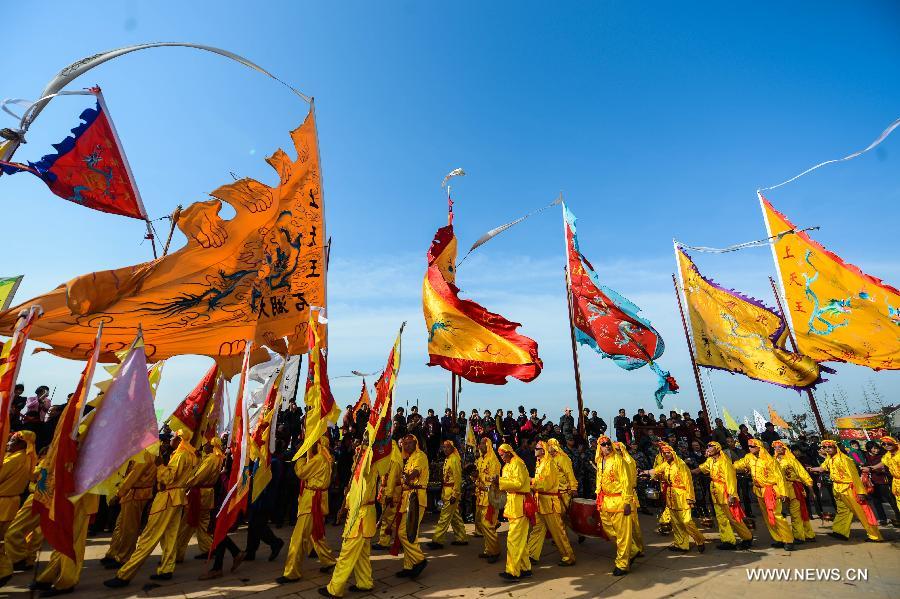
889	439
216	443
185	445
554	444
28	438
490	456
716	444
325	447
763	452
507	448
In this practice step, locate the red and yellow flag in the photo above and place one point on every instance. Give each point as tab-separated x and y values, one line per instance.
464	337
10	361
363	399
318	392
192	414
261	440
838	312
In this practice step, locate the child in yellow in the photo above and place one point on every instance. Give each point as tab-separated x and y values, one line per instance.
545	485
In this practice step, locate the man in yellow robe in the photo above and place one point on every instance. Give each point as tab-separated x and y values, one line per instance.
890	461
770	489
545	485
390	493
414	479
724	494
18	465
614	490
165	514
488	468
133	495
636	535
451	493
568	484
61	574
678	490
515	480
797	480
201	499
314	473
849	494
24	538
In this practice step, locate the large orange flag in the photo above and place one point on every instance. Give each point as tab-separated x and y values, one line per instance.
465	338
250	277
838	312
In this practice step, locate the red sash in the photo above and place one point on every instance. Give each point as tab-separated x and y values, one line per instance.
800	494
395	546
770	501
737	510
193	507
867	510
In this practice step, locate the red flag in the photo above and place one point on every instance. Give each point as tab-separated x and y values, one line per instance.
90	167
189	414
10	362
363	399
56	479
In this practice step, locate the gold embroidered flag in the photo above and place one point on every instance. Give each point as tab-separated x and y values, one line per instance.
736	333
322	408
250	277
8	287
838	312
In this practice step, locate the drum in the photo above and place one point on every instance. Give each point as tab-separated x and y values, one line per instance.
585	519
497	498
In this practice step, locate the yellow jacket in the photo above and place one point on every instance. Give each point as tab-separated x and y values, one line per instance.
765	472
171	479
488	467
391	486
139	482
545	485
205	477
892	463
614	487
14	477
631	465
723	478
677	483
844	477
793	472
515	480
314	473
367	520
417	460
567	481
451	482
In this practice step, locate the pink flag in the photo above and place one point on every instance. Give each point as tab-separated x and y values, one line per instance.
123	425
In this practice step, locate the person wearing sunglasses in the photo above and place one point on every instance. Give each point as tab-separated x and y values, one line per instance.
678	490
723	490
614	501
770	488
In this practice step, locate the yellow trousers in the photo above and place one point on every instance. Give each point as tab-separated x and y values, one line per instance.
387	522
517	547
23	538
186	531
684	529
728	526
802	529
162	528
448	518
412	552
553	523
781	532
665	517
62	572
619	529
6	568
487	529
301	543
353	559
128	527
847	509
636	535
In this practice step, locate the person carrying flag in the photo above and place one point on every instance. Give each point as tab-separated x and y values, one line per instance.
18	465
201	500
133	495
389	497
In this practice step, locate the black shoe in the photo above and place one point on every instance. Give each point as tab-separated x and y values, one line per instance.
418	568
619	572
745	544
565	564
286	580
276	549
509	577
324	592
701	548
525	574
103	560
581	539
22	566
355	589
434	545
483	555
459	543
777	545
726	546
113	565
811	540
53	592
492	559
326	569
115	583
871	540
5	579
839	536
163	576
799	541
378	547
404	573
39	586
788	546
677	549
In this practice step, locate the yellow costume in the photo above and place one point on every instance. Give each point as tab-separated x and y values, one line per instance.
549	511
769	487
891	461
846	486
451	494
314	473
15	473
23	537
665	518
488	466
133	494
636	535
61	572
797	480
165	513
515	480
391	489
722	487
417	460
568	484
354	556
678	489
614	492
202	482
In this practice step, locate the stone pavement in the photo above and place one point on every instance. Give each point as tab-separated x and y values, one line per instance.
457	572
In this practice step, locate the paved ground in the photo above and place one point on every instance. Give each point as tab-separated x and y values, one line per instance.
457	572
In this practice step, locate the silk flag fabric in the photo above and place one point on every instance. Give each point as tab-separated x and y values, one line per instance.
56	477
261	439
739	334
122	426
235	502
777	420
838	312
322	407
363	400
730	423
89	168
8	287
465	338
194	409
11	353
608	322
250	277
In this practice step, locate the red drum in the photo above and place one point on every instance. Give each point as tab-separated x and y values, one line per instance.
585	519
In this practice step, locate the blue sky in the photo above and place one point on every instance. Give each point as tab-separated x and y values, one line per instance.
656	121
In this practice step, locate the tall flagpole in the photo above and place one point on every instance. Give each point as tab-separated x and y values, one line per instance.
454	398
687	338
790	332
571	307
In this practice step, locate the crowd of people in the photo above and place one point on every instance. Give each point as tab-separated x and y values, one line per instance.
676	467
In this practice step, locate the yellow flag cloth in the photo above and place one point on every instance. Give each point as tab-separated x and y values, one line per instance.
730	422
777	420
8	287
838	312
323	408
736	333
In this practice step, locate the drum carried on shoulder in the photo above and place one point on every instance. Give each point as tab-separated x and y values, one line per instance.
585	519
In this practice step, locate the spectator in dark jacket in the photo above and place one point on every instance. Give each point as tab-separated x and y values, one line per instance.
622	424
598	425
567	423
